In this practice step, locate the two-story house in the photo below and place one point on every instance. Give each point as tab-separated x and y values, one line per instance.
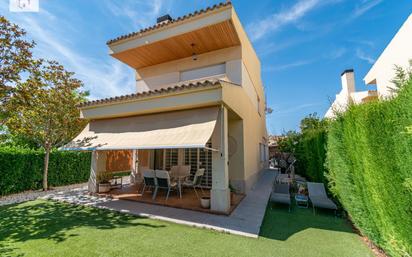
199	101
348	95
397	53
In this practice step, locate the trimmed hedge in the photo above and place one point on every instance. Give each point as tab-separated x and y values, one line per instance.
369	160
308	147
22	169
311	155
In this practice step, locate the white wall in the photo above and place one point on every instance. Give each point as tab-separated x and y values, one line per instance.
224	64
398	52
171	78
234	71
157	82
220	63
203	72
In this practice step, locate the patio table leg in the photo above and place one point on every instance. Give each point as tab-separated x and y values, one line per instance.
180	188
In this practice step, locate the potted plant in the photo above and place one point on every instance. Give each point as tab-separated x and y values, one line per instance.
205	202
104	182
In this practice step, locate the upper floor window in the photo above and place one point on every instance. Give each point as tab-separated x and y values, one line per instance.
204	72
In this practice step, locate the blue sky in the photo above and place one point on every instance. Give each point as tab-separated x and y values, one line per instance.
303	45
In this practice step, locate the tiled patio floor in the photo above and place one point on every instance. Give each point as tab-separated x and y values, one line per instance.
188	201
245	220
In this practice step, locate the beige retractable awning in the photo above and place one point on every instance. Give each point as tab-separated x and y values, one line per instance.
178	129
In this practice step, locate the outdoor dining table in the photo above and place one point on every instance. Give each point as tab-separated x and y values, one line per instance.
180	178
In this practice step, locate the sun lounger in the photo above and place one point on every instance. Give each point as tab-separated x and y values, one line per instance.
319	198
280	194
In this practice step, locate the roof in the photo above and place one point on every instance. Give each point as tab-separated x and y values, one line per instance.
164	24
188	85
274	140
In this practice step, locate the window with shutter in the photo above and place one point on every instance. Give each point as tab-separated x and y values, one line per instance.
171	158
198	159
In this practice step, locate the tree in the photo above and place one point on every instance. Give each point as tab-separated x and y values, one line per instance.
43	108
289	142
312	122
402	76
15	58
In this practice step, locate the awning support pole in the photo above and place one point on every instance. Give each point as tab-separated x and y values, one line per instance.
220	193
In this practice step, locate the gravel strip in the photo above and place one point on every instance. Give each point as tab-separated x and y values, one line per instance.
32	195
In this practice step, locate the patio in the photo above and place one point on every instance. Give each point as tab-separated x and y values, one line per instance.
245	219
189	200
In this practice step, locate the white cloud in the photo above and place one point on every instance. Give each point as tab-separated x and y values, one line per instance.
102	75
363	56
275	21
140	13
296	108
365	7
287	65
367	43
268	48
336	53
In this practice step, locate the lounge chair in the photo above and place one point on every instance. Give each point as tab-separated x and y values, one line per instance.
149	180
319	198
280	194
195	183
163	181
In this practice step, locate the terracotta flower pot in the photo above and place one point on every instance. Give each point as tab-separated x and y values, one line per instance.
205	202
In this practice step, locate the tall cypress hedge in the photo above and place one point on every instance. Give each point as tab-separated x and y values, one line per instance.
311	155
22	169
369	160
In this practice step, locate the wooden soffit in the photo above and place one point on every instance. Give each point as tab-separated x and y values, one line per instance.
206	39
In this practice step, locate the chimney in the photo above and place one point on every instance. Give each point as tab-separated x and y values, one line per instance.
348	81
164	19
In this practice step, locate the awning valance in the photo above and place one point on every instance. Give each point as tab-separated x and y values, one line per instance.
178	129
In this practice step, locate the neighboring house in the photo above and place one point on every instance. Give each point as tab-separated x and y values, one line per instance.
274	145
348	95
199	101
397	52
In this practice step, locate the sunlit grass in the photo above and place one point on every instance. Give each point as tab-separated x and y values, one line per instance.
46	228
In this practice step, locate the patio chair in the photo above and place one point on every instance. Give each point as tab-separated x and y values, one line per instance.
280	194
174	170
149	180
163	181
282	179
319	198
184	170
196	182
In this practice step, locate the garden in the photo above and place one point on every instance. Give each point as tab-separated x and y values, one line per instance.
48	228
365	158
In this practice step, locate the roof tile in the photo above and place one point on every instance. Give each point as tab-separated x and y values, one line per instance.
178	87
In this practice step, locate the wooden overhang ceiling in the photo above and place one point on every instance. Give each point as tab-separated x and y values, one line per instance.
205	39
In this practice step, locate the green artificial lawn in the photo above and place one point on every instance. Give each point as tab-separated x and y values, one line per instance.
47	228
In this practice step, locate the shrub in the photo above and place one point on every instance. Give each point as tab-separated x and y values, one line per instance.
369	159
308	147
22	169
